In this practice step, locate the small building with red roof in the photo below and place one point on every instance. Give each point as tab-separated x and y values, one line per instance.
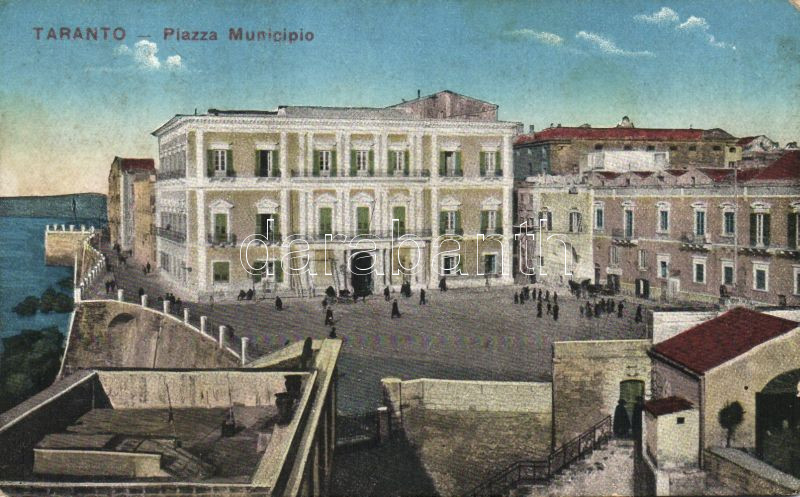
739	356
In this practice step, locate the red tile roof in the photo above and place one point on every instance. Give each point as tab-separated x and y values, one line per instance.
785	168
138	164
651	134
667	405
717	175
709	344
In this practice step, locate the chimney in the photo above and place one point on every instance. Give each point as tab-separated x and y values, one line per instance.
419	93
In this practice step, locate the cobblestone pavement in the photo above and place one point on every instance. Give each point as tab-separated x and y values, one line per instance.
461	334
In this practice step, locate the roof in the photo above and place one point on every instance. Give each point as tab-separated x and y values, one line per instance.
316	112
128	164
667	405
745	140
649	134
717	175
786	167
434	95
714	342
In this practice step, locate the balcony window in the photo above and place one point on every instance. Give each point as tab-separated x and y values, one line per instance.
599	215
729	223
628	223
700	223
324	163
760	277
575	222
490	162
450	222
267	226
489	222
699	273
399	162
759	229
325	221
220	227
399	220
266	163
362	220
450	164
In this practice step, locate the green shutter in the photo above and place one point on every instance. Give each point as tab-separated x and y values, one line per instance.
353	165
333	163
498	225
391	159
484	221
210	163
442	222
315	165
459	172
483	163
459	231
752	229
371	163
399	213
791	224
258	163
766	230
229	163
442	164
406	163
276	163
362	219
498	166
276	227
278	271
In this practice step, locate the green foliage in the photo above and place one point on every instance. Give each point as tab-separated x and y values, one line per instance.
65	284
27	307
730	417
29	363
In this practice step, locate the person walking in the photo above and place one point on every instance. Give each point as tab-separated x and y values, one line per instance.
422	300
443	284
386	293
395	310
638	318
141	292
332	334
516	298
539	309
549	308
619	309
547	295
580	307
588	310
555	312
328	316
278	303
555	297
148	267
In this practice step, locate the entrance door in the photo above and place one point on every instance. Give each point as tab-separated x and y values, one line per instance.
361	266
597	274
673	288
630	391
643	288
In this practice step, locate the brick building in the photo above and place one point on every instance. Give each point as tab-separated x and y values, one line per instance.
439	165
565	150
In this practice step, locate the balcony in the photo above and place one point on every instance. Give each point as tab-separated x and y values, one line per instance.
361	174
620	236
342	236
693	241
170	234
221	239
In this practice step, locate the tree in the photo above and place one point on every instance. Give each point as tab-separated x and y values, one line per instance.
730	417
27	307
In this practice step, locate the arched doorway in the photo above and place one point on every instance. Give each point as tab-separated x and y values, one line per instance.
778	423
361	266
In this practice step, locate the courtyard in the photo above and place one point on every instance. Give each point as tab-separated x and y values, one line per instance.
477	334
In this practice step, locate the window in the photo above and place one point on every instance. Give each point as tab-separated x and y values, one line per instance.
642	259
759	229
325	221
266	224
451	217
165	261
259	269
220	158
663	266
732	150
575	222
490	264
651	148
450	163
673	148
398	161
663	219
545	220
598	217
613	256
325	161
491	221
680	420
717	148
221	270
399	215
598	146
628	223
796	271
448	264
727	273
760	277
362	161
362	219
792	229
692	148
729	223
489	163
220	227
264	165
700	223
699	273
627	147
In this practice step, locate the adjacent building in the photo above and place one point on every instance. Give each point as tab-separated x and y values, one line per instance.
131	206
353	198
567	150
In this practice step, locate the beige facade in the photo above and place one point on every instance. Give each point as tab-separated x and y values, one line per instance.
129	197
299	173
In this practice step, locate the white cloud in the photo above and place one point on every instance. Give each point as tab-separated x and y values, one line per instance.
663	16
694	23
145	54
605	45
174	62
540	36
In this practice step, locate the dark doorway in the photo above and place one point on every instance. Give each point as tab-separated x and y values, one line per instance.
612	282
778	423
597	274
643	288
361	268
630	391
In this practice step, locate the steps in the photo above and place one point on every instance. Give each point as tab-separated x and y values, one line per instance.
606	471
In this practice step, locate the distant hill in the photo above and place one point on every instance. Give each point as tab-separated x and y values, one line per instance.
87	205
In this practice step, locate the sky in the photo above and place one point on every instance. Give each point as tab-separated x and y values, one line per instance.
68	106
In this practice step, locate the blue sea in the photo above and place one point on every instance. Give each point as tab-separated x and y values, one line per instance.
23	272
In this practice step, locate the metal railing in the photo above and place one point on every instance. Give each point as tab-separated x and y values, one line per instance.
170	234
221	238
368	234
424	173
623	234
537	471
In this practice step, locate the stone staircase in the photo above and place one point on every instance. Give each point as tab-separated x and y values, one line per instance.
607	471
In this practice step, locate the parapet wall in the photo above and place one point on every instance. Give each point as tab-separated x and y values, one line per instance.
746	475
62	242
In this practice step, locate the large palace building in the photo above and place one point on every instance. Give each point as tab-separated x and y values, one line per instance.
408	193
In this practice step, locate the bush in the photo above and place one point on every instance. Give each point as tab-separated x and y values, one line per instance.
62	303
53	301
29	363
27	307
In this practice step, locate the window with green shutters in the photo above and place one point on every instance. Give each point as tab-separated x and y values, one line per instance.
220	227
399	220
324	163
458	229
278	271
362	219
443	222
484	221
371	163
221	271
406	162
398	162
490	164
450	223
498	166
490	222
229	170
267	163
267	226
325	221
219	162
450	164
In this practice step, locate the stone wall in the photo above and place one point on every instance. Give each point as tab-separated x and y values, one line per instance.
746	475
667	324
61	242
586	381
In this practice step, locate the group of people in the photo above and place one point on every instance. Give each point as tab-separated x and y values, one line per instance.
111	284
248	295
146	268
542	300
608	307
